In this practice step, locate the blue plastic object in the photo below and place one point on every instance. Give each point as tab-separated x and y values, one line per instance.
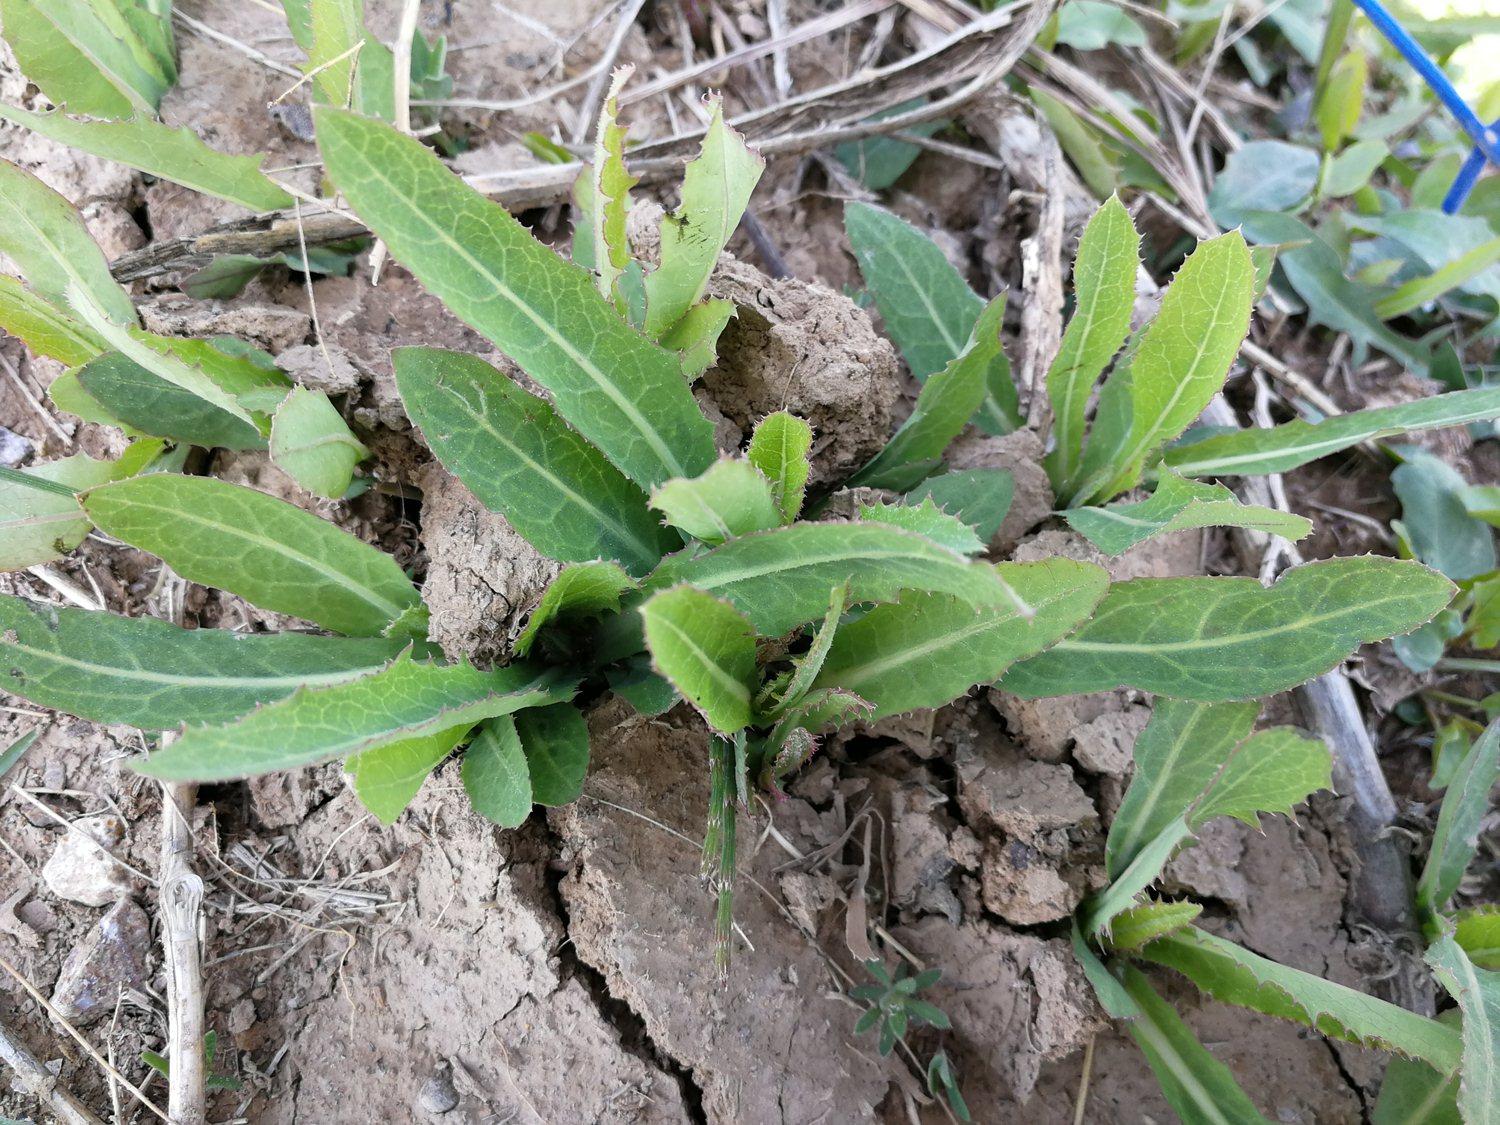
1486	138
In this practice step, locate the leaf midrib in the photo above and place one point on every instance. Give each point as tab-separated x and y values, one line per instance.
648	555
1235	639
366	594
174	679
584	363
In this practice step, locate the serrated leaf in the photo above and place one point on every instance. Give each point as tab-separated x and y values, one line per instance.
1455	838
926	519
945	404
928	649
625	394
1098	165
1279	449
387	778
1125	889
1104	272
979	497
1478	931
407	699
878	162
1197	1086
612	184
74	56
495	774
580	592
269	552
43	234
336	28
695	336
1195	1083
1412	1093
39	525
311	443
810	663
44	328
1089	25
928	308
556	742
520	459
716	189
146	403
1337	109
1268	772
195	366
1133	928
169	154
779	448
780	578
1181	363
1176	758
1478	994
1178	504
729	499
1350	170
1452	275
706	648
149	674
1234	975
1215	639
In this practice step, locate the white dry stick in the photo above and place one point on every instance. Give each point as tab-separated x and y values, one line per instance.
180	899
1042	279
33	1078
402	52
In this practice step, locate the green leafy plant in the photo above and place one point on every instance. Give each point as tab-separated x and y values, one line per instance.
895	1009
689	574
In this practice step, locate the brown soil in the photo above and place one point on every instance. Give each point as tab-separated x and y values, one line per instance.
563	972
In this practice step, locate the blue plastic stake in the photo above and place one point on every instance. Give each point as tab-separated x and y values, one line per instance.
1486	140
1467	177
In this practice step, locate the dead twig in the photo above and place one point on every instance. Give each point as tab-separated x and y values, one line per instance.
1042	280
593	97
970	62
180	899
40	1083
89	1049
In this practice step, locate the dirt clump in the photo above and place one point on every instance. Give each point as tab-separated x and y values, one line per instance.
82	867
483	579
269	326
1016	1002
774	1046
797	346
1040	832
464	992
109	962
1019	454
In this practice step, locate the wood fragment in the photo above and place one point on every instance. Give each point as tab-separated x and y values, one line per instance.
971	62
1042	282
36	1081
180	900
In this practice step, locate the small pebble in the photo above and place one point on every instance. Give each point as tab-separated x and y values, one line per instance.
109	960
438	1094
80	868
13	448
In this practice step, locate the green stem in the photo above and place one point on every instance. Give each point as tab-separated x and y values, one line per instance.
1463	664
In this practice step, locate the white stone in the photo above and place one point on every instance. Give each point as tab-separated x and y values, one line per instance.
81	869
